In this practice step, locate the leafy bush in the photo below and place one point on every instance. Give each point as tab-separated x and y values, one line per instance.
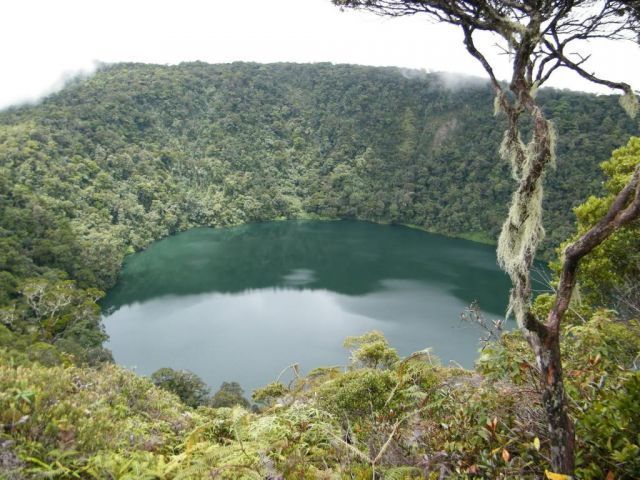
268	394
357	394
609	432
371	350
230	394
189	388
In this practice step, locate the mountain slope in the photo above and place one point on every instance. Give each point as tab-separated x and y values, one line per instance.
137	152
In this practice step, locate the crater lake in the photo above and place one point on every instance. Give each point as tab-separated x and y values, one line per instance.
242	303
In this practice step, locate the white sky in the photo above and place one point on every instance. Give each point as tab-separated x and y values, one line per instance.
44	41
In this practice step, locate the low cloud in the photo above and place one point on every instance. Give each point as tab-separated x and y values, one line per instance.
449	80
21	91
457	81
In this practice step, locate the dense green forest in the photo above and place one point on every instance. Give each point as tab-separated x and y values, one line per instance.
138	152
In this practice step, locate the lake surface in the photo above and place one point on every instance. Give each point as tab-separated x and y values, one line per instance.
242	303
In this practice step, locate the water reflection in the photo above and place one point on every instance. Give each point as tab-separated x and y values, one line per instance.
242	303
345	257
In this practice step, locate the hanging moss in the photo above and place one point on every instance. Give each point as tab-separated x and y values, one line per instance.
629	101
523	230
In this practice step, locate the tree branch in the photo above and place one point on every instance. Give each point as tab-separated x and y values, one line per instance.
624	209
471	48
575	66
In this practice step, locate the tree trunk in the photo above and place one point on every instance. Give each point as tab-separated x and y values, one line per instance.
561	432
545	338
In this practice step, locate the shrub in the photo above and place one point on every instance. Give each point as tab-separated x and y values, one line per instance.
371	350
230	394
185	384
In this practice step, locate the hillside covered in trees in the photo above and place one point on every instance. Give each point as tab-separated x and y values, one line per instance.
138	152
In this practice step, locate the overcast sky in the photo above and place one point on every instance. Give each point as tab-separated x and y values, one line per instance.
44	41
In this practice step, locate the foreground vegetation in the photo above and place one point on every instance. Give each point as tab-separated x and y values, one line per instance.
408	418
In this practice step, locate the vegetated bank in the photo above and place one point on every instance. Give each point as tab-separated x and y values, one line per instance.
137	152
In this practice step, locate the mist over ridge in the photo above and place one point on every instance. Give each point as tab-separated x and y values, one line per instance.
452	80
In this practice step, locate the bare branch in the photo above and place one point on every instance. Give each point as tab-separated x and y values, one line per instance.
575	66
471	48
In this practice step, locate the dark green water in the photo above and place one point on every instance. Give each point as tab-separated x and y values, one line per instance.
243	303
